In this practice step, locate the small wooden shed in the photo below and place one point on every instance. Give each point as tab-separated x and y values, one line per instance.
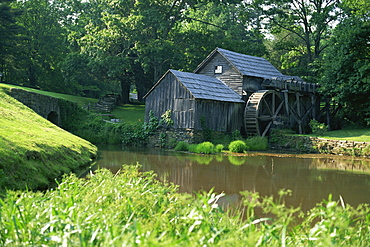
192	96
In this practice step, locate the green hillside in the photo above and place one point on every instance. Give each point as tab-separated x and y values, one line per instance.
33	151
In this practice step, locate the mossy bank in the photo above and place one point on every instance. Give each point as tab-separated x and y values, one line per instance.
33	151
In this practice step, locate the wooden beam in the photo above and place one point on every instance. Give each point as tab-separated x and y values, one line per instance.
297	95
313	104
327	106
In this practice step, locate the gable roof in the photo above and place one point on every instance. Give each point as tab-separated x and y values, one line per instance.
203	87
245	64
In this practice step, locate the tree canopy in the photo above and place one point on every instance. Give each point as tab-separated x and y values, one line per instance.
91	47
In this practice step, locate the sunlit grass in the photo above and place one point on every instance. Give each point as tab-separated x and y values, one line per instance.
131	208
360	135
77	99
33	151
130	113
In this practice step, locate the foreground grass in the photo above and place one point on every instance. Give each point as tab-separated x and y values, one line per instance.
33	151
134	209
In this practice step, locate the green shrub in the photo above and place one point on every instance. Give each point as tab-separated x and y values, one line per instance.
366	151
318	129
236	135
182	146
238	146
257	143
166	119
193	148
219	148
171	143
205	148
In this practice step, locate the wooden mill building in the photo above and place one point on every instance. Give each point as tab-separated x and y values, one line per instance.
233	91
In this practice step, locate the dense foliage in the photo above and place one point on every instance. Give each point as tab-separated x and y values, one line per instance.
131	208
92	47
346	68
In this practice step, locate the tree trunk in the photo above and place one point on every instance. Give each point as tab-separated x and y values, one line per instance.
125	90
32	78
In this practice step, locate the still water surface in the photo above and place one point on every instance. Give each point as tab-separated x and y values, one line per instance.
311	178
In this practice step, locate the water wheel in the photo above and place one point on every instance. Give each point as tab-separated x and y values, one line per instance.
264	109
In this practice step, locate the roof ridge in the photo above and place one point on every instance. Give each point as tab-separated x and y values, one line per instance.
206	87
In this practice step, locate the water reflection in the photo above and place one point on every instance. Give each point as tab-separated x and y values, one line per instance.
311	179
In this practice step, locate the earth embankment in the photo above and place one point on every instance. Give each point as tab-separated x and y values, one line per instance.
33	151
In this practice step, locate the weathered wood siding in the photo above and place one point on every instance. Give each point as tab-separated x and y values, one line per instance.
219	116
252	84
230	76
169	94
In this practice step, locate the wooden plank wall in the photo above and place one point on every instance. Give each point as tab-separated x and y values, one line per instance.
187	111
252	84
169	94
219	116
229	76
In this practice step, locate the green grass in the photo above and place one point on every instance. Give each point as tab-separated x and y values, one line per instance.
131	208
81	101
360	135
130	113
33	151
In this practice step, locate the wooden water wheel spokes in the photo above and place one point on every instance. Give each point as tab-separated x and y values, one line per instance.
264	109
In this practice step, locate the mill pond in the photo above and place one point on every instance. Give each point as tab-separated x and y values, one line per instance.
311	178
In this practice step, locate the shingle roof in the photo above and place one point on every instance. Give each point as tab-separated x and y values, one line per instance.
250	65
206	87
247	65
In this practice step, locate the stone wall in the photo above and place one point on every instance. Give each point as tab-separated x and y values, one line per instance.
341	147
169	137
46	106
322	145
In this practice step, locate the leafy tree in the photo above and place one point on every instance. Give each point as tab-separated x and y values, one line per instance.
308	20
230	26
43	47
9	31
360	8
79	77
346	68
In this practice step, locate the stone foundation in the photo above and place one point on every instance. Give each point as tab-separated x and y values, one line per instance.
169	137
322	145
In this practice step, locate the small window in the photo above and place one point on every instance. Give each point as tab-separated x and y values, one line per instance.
218	69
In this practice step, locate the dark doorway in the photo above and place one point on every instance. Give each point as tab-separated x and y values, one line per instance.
53	117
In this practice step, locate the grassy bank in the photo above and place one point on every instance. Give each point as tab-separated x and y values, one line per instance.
33	151
359	135
134	209
81	101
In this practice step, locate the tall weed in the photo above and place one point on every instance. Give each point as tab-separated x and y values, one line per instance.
257	143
